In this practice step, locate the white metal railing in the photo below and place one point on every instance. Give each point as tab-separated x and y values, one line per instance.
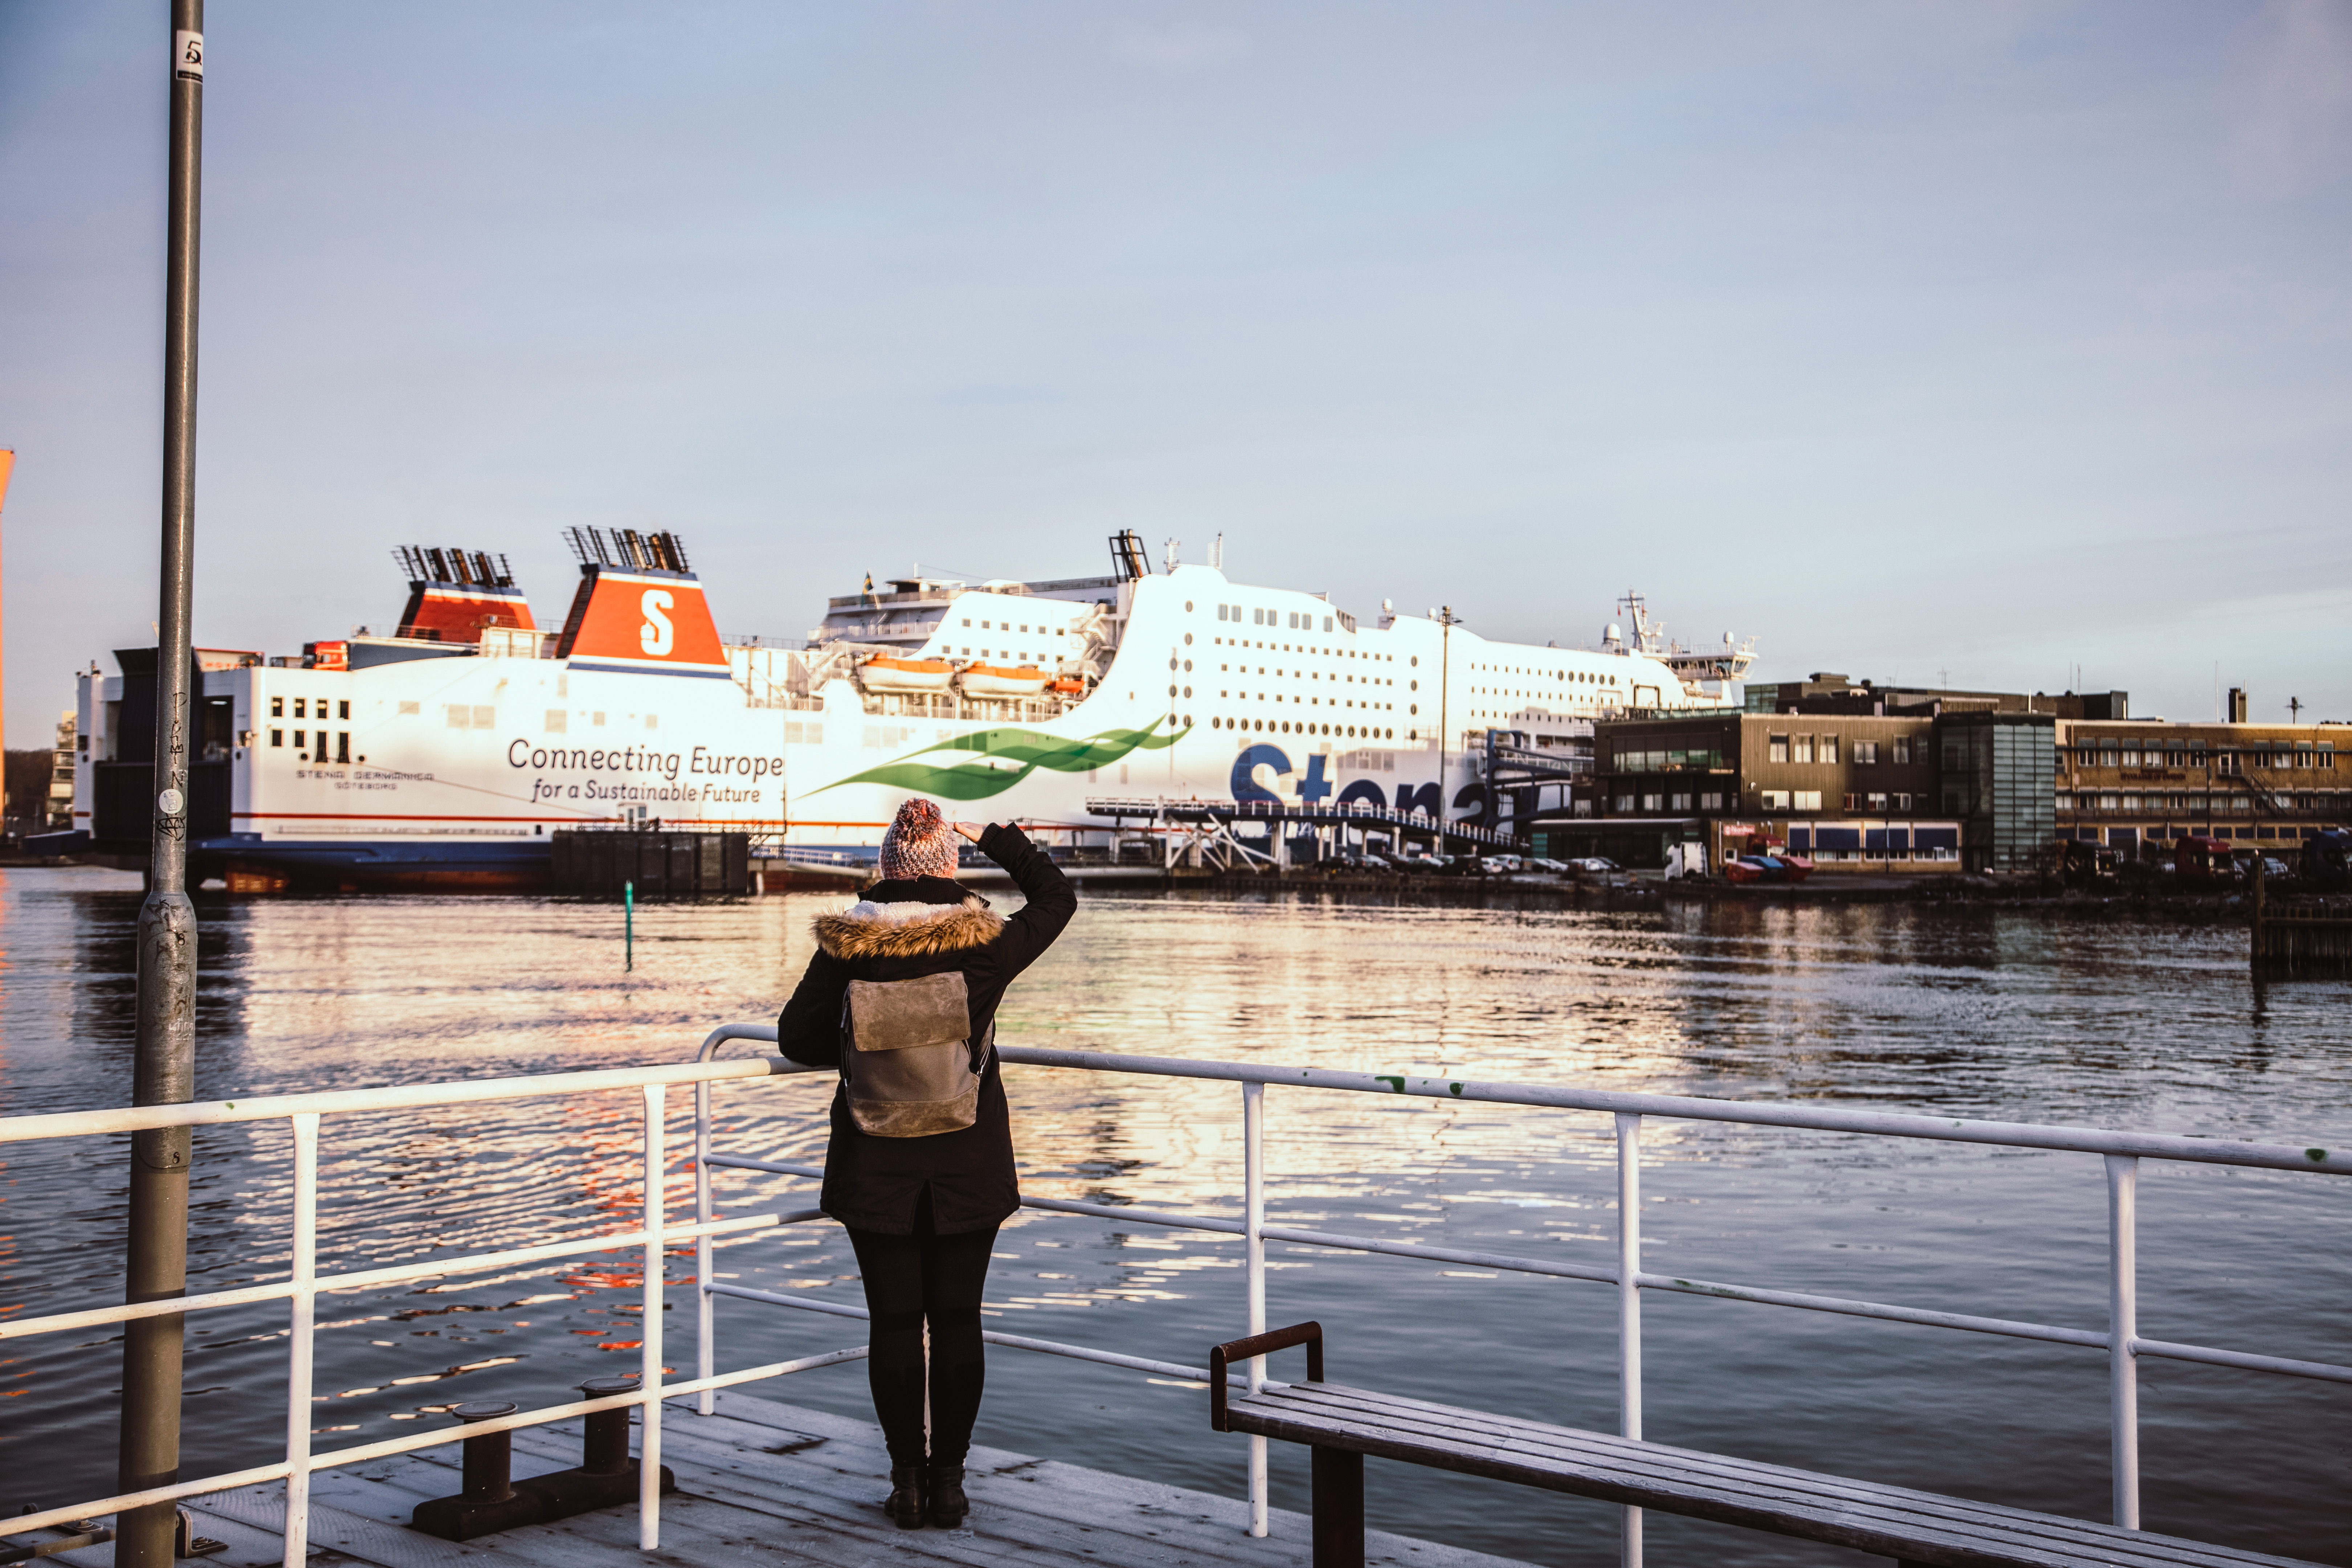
2120	1153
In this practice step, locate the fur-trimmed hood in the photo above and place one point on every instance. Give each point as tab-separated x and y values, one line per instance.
868	930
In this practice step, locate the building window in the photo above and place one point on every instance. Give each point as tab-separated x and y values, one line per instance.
1902	749
1711	802
1805	800
2063	801
2131	759
1829	748
1804	753
1623	805
1682	803
2108	803
1902	801
1877	802
1773	800
1777	747
1865	752
1653	803
1849	802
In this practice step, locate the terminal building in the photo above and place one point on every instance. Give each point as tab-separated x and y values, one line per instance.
1861	778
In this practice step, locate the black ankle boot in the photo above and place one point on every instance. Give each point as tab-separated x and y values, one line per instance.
905	1505
945	1500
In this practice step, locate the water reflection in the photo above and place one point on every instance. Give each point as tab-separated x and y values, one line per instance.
1975	1012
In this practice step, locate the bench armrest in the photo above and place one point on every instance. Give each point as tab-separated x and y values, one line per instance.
1309	1334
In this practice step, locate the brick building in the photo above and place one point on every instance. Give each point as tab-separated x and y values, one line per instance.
2133	783
1854	791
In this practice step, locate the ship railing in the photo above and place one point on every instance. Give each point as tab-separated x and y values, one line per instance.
2119	1151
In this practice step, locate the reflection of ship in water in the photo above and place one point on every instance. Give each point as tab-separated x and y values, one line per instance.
447	753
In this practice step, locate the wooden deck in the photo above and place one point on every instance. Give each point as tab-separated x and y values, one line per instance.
763	1484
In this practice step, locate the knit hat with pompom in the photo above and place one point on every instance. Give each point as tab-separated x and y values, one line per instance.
919	844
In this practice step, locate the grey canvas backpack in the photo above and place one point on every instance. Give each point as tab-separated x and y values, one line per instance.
909	1064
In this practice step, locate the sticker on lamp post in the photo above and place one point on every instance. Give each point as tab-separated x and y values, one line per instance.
170	801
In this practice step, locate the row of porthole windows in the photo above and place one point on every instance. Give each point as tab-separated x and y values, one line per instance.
1293	648
1286	727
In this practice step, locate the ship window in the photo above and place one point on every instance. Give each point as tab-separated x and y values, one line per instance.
460	717
298	741
967	620
343	747
555	717
342	710
653	720
300	704
278	708
277	737
410	708
597	721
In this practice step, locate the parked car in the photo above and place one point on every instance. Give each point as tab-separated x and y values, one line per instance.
1498	864
1592	863
2328	859
1539	863
1768	869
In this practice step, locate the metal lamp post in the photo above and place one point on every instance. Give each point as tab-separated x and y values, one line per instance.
164	1070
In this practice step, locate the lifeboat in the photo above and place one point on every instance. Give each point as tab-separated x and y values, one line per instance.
1002	680
1066	685
883	673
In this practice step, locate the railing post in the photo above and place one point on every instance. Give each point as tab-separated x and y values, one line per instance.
706	1354
2123	1327
649	1438
1254	1231
1629	1307
301	1311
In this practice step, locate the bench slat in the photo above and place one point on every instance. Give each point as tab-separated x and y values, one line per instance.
1606	1452
1922	1527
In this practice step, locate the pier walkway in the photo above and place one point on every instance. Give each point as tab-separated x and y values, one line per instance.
764	1485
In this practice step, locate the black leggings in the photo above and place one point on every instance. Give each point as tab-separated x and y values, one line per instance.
910	1279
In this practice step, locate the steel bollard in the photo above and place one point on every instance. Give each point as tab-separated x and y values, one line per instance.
489	1458
489	1501
604	1443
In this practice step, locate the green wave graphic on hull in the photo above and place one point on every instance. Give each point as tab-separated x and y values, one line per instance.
1006	756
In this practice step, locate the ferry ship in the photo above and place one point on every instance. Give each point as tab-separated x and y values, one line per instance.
446	753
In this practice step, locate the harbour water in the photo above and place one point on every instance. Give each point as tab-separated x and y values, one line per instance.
1978	1013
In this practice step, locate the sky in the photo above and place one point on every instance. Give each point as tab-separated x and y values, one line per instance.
1994	344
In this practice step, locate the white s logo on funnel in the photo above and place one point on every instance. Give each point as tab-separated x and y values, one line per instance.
656	635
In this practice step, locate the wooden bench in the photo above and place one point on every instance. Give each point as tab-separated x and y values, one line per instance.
1341	1424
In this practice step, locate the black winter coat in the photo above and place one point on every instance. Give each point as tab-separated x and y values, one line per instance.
902	929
